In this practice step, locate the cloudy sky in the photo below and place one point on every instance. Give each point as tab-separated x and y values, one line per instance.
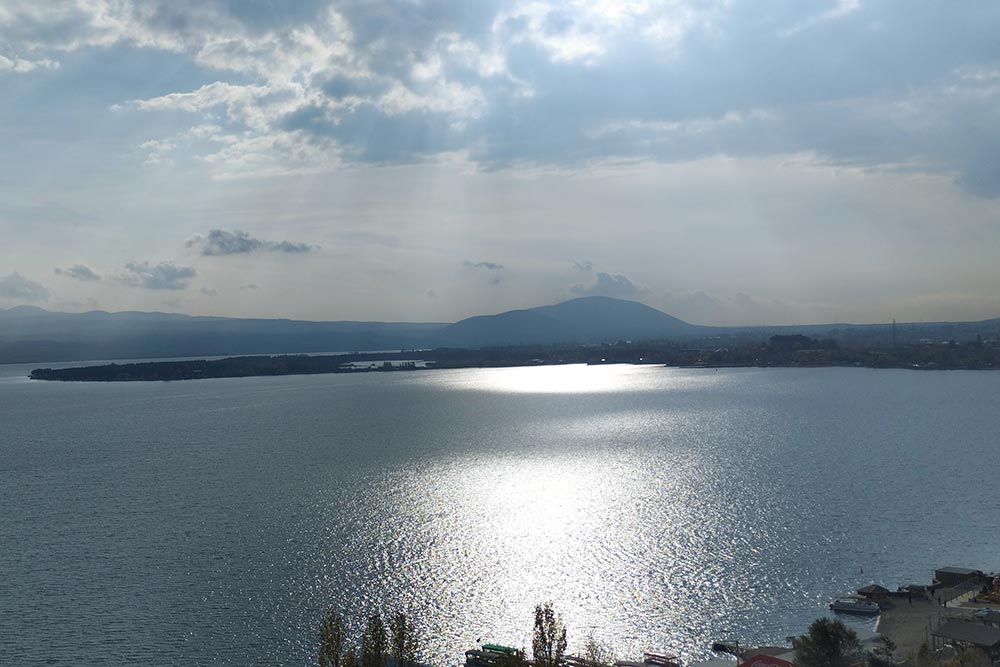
731	162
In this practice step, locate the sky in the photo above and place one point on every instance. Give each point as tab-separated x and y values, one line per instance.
732	162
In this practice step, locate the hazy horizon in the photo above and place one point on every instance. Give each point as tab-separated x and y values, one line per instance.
417	321
728	163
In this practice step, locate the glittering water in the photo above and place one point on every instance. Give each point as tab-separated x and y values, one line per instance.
211	522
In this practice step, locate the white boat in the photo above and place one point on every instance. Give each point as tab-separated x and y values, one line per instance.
850	605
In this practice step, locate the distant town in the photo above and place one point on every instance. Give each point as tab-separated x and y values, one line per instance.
953	621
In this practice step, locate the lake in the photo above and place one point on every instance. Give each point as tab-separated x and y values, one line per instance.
212	522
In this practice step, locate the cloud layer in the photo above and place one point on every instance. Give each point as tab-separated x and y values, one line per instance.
313	85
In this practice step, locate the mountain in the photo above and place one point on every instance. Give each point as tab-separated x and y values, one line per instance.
586	320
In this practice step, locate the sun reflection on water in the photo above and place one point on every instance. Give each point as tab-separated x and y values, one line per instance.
564	379
615	503
607	545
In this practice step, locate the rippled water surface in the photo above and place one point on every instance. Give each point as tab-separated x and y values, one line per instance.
212	522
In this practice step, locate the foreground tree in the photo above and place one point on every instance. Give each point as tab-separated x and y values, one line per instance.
597	652
922	657
331	640
404	644
881	654
515	659
969	656
828	643
548	643
373	642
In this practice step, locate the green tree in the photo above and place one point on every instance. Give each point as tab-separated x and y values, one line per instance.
828	643
404	642
922	657
515	659
597	652
373	642
548	643
969	656
331	640
882	652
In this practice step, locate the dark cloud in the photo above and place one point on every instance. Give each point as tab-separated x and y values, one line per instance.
219	242
609	284
79	272
489	266
16	287
366	133
162	276
495	269
338	86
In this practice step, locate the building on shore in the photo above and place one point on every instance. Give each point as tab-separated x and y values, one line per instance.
874	592
952	576
966	633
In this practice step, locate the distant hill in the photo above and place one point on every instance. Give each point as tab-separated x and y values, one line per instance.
585	320
29	335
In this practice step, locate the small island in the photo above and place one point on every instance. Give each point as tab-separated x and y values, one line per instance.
231	367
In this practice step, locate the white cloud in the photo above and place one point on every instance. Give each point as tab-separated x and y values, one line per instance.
79	272
840	9
22	65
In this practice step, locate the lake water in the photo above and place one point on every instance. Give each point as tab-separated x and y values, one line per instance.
212	522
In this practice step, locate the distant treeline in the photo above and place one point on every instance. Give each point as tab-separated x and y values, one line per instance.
778	350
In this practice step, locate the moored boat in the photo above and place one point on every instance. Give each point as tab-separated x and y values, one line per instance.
730	647
849	605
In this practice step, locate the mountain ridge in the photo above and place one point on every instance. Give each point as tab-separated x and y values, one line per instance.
29	334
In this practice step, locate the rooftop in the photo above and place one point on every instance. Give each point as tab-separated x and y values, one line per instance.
957	570
978	634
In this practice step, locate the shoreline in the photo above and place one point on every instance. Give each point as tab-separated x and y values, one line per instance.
283	365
